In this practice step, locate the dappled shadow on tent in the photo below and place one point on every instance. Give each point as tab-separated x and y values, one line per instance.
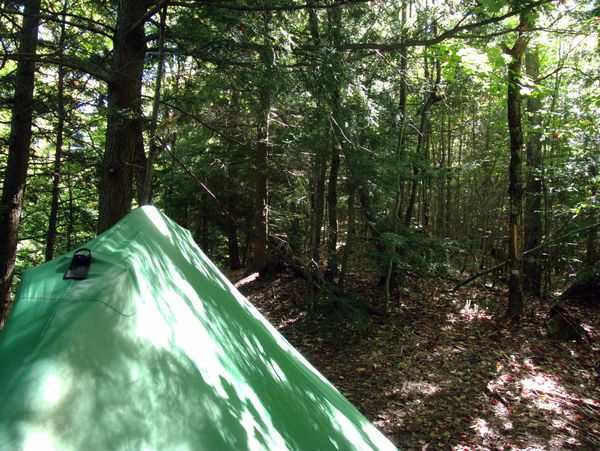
167	353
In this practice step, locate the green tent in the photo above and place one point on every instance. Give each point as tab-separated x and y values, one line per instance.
156	349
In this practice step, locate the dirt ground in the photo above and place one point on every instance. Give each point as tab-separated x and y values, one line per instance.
442	371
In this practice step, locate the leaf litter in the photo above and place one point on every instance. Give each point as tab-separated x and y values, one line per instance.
444	371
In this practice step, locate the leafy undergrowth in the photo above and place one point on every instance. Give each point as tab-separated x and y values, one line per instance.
442	372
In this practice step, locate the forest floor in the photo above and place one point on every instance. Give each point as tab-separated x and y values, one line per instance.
442	371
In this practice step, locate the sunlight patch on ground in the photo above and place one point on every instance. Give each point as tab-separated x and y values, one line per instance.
471	312
287	322
482	428
502	412
251	278
417	388
542	389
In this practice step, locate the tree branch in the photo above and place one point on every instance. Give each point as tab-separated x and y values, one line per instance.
533	249
264	8
71	63
423	42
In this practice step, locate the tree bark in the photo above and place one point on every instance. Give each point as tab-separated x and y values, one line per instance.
261	198
154	148
15	175
349	234
591	245
434	95
60	126
124	110
400	154
231	194
232	239
515	187
332	197
320	165
532	268
336	143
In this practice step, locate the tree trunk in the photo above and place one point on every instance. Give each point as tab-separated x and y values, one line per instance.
336	143
319	169
124	110
71	217
231	226
448	209
60	126
426	182
400	154
261	199
349	234
15	174
332	230
140	162
532	268
433	96
154	147
515	187
591	245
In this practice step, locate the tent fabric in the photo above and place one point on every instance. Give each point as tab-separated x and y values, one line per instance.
156	349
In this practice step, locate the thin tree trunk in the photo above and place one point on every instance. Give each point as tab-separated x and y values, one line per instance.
426	182
261	199
60	126
331	270
320	167
154	147
448	209
591	246
349	235
532	268
433	96
400	154
231	226
140	162
124	110
336	143
515	188
231	199
549	257
15	175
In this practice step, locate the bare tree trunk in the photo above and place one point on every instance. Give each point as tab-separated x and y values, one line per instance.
154	147
448	210
231	226
261	199
434	95
426	182
332	230
350	233
515	187
71	217
124	110
15	175
591	245
336	143
140	162
400	154
319	169
60	126
532	268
